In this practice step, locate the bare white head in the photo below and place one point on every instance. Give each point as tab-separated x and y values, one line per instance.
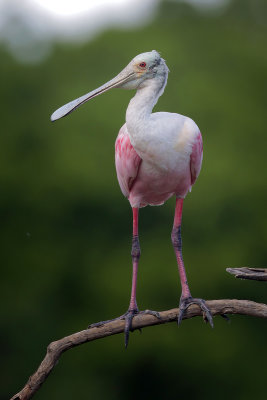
135	75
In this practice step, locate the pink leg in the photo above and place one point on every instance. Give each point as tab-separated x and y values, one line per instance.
135	259
133	309
177	244
186	298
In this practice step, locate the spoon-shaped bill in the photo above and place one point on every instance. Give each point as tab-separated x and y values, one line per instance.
123	77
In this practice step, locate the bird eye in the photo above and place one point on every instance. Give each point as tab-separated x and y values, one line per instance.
142	65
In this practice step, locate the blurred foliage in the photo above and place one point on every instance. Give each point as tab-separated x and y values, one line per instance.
66	228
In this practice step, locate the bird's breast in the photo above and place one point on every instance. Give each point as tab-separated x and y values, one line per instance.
165	141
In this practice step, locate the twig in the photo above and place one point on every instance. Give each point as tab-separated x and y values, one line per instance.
256	274
55	349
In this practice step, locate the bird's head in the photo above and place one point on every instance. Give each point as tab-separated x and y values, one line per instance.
136	74
143	67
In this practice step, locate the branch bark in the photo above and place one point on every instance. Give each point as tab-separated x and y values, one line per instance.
257	274
55	349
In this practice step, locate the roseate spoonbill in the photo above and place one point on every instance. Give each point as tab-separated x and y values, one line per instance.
157	156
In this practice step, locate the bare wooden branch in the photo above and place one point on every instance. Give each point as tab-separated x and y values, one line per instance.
55	349
257	274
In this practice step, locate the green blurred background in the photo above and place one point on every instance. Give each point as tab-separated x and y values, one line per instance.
66	228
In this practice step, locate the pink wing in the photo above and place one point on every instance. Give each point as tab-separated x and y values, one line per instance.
196	158
127	161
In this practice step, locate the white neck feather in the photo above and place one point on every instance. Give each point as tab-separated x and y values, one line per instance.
141	105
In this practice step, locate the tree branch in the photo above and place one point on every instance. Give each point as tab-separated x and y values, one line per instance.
257	274
55	349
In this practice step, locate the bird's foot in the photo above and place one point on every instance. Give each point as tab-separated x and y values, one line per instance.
185	302
101	323
128	318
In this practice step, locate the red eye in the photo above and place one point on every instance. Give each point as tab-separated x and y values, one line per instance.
142	65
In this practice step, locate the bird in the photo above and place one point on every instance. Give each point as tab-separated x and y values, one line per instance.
157	156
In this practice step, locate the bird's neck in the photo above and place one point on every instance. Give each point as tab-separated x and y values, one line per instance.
141	105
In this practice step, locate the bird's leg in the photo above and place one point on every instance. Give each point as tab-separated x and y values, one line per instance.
186	298
135	253
133	309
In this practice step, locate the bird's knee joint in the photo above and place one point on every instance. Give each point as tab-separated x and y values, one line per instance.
136	252
177	238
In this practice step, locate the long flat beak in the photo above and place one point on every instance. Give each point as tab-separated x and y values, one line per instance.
123	77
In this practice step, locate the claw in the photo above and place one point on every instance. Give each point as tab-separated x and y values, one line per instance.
98	324
154	313
187	301
128	317
101	323
225	317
